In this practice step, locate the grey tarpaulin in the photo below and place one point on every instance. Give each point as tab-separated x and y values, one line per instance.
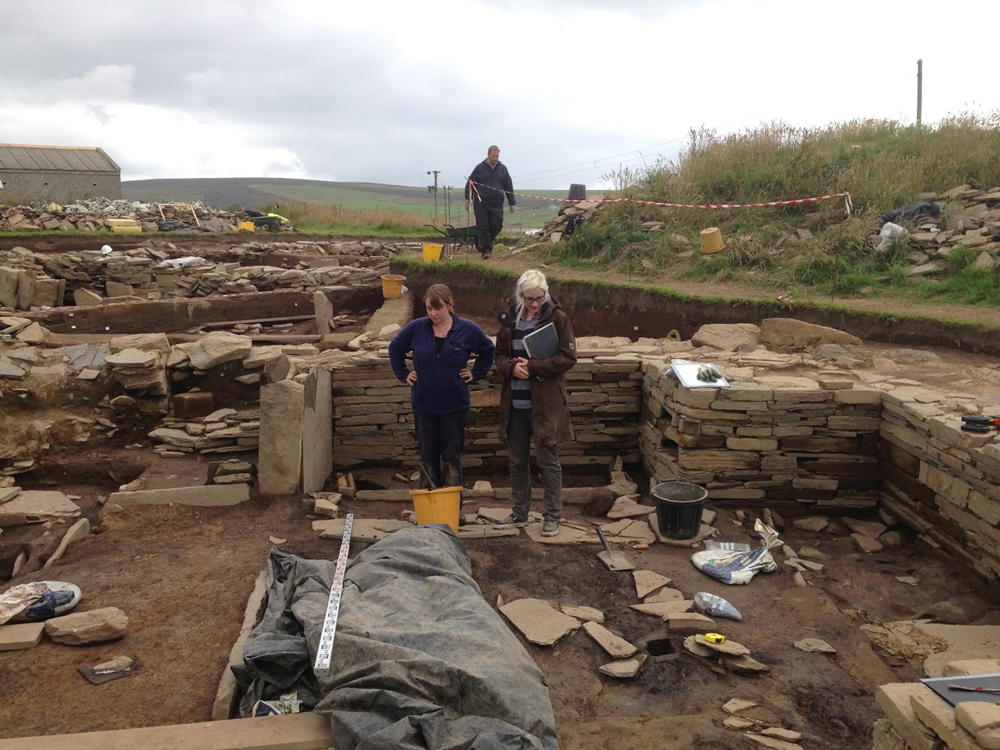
276	659
421	660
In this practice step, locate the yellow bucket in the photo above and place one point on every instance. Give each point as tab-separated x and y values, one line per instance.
711	241
432	252
438	506
392	285
245	226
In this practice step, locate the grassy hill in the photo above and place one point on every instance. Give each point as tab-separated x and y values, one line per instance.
259	192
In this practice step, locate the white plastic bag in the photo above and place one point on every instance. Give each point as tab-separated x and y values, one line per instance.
716	606
733	567
888	233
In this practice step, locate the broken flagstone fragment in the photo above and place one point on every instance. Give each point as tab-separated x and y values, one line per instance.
623	668
616	646
538	622
814	645
648	581
588	614
735	705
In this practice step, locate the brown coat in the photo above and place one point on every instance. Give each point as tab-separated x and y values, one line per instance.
549	400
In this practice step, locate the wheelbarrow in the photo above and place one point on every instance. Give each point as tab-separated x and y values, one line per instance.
265	222
457	236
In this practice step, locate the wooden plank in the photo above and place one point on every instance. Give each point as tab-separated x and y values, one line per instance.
16	637
307	731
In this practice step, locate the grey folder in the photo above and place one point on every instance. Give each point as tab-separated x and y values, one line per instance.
543	343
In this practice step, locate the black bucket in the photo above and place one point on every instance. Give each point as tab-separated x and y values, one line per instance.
678	508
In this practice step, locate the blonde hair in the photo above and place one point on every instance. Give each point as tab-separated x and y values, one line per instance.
530	279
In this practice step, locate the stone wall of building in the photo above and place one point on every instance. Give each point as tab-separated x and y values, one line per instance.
940	480
373	420
767	440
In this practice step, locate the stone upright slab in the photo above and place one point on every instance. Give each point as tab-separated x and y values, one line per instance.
279	465
317	429
324	312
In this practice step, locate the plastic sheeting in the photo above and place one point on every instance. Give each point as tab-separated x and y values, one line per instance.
420	659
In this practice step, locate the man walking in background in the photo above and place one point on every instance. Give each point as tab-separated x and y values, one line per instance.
485	189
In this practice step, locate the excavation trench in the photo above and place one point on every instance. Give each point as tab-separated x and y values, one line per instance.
779	439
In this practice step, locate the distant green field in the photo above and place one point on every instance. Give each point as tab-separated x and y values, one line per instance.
258	193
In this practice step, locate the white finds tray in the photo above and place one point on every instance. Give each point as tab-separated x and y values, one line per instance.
687	373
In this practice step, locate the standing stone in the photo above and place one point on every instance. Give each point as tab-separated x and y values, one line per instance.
317	429
324	312
279	465
8	287
25	289
48	292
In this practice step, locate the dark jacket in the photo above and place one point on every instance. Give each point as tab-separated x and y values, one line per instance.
491	184
549	400
439	389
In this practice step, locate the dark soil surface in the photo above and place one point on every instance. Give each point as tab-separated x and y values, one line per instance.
183	576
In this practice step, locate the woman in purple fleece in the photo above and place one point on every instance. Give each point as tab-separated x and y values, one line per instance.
442	344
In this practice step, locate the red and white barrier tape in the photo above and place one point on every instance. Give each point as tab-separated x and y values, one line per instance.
845	195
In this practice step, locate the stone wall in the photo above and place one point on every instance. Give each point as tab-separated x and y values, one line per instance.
766	440
62	185
941	481
373	420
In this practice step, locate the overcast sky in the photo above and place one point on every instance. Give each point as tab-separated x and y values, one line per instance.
384	91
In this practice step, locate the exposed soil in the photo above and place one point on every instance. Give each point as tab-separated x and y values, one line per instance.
729	289
183	576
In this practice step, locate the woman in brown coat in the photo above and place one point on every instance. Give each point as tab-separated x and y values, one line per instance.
533	400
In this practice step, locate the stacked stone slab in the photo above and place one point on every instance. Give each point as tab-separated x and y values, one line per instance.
140	371
940	480
32	280
223	431
94	214
793	447
917	718
373	420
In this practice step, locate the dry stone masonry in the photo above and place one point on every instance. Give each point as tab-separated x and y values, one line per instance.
155	269
102	214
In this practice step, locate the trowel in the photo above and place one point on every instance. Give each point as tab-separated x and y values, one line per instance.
613	559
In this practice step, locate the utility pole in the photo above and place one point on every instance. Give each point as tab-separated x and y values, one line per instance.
920	90
434	188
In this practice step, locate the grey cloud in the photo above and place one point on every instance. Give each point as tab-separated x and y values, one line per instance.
346	106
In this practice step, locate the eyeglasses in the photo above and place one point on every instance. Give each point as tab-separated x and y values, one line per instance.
533	300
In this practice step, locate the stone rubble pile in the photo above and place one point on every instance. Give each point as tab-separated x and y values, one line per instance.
554	229
972	219
155	270
92	215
